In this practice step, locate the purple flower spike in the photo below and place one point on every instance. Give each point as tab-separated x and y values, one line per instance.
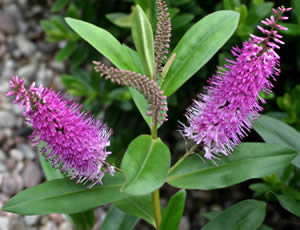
222	115
75	142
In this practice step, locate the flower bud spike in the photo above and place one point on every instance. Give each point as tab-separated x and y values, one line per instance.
149	88
162	36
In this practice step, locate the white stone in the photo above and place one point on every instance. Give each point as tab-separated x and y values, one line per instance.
16	154
31	220
3	223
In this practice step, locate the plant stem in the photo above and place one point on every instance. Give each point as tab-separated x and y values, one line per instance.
188	153
155	194
156	207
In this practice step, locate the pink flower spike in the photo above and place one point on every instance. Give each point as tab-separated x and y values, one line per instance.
223	114
74	141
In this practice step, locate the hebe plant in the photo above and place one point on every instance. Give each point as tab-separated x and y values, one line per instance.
74	143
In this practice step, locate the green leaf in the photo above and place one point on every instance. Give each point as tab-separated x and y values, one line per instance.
64	196
289	204
211	215
264	227
65	52
143	39
140	206
276	131
103	41
249	160
142	105
82	220
181	20
198	45
172	216
118	220
231	4
296	7
296	161
119	19
50	173
245	215
145	165
58	5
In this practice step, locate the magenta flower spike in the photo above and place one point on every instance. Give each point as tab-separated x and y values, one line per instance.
222	115
75	142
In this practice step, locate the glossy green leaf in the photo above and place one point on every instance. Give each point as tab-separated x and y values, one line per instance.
59	4
172	216
64	196
103	41
245	215
198	45
118	220
276	131
143	39
289	204
296	161
249	160
145	165
119	19
50	173
142	105
140	206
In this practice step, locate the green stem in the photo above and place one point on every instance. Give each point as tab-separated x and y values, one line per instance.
155	194
188	153
156	207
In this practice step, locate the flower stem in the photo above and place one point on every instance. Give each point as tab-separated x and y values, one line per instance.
188	153
156	207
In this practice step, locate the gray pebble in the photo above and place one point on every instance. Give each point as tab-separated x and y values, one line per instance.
7	119
32	175
8	24
184	223
2	156
27	71
49	226
27	151
3	167
25	46
65	226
